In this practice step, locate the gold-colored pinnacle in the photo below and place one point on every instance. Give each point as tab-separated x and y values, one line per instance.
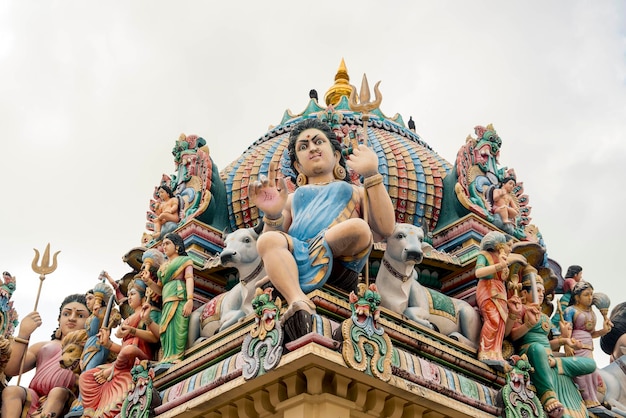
341	86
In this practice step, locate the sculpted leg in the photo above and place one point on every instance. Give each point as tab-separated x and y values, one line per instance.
55	404
13	398
280	266
194	327
349	237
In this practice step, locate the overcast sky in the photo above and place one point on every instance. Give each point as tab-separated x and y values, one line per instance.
94	94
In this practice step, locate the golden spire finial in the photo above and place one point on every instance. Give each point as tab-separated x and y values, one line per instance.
341	86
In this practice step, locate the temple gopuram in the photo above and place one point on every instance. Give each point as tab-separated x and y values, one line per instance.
358	355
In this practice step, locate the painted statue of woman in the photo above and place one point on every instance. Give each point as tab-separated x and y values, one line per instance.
552	375
95	354
583	320
177	286
50	390
492	271
104	388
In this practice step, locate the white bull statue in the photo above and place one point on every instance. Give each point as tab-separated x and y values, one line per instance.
229	307
401	292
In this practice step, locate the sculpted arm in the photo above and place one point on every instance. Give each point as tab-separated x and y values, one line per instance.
272	197
29	324
188	274
381	214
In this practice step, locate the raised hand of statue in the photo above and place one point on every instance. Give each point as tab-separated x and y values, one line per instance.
267	195
532	315
29	324
363	161
515	306
607	326
104	336
145	311
566	329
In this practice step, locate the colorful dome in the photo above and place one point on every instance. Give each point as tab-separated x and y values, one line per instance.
413	173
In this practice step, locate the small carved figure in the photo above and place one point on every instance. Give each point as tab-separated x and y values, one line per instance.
321	223
503	202
552	375
73	347
166	210
104	388
95	354
516	397
49	391
176	280
402	293
573	275
262	348
492	271
366	345
580	314
8	322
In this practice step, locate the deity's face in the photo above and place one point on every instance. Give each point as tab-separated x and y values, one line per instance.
585	298
541	293
73	317
134	299
527	296
163	194
169	249
90	300
508	186
314	153
578	276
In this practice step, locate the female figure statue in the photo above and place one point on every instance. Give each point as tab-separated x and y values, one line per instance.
573	275
94	353
104	388
552	375
321	223
492	271
176	280
51	389
583	321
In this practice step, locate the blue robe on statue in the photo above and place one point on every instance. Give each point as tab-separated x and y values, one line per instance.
315	209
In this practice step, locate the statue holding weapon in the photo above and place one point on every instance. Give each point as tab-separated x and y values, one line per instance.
51	388
94	353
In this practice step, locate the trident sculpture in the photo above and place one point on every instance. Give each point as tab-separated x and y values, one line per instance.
365	106
44	268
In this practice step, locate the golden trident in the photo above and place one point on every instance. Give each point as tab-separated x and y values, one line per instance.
365	106
44	268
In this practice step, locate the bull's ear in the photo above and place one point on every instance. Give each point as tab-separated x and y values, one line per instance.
258	228
224	233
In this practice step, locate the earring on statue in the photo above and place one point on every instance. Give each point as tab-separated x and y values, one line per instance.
339	172
301	180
